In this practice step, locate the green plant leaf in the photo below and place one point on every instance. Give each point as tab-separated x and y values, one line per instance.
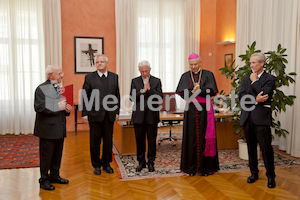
275	65
282	51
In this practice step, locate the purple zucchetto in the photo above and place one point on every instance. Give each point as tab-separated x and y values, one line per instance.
193	56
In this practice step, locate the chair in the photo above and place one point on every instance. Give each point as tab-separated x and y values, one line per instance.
169	96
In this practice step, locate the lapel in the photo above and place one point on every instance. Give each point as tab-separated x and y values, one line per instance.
263	76
97	79
49	90
109	82
141	82
248	81
262	79
151	81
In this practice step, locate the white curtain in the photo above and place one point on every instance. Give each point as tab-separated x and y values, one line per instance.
52	32
192	28
154	30
126	33
269	23
21	63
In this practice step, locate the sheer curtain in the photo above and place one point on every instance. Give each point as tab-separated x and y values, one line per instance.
52	32
126	33
192	28
160	39
269	23
21	63
153	30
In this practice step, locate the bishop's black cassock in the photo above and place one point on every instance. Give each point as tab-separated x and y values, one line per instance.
194	125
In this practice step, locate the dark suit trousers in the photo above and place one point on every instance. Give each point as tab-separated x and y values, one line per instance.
262	135
140	131
101	130
50	158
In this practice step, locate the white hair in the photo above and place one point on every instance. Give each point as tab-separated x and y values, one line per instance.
260	57
49	70
144	63
102	55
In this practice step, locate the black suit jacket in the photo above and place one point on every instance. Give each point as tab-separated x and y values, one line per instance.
93	82
138	115
262	113
50	122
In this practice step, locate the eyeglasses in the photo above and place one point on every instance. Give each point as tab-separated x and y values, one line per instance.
60	73
144	71
101	62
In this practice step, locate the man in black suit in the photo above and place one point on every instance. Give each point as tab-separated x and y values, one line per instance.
255	96
101	105
145	115
50	126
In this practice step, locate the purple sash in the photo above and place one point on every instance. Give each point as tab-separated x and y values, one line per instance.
210	134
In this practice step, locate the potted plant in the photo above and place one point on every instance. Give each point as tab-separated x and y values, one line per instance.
275	65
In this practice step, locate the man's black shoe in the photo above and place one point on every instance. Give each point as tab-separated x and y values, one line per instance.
271	182
192	174
108	169
59	180
47	186
140	167
252	178
151	167
97	171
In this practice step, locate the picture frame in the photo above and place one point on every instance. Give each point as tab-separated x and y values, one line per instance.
85	51
228	59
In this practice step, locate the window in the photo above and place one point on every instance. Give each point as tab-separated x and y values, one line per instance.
21	63
160	39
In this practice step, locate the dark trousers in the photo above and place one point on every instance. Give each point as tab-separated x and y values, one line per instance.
101	130
261	135
140	131
50	158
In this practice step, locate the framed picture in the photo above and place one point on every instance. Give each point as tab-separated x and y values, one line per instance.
228	59
86	49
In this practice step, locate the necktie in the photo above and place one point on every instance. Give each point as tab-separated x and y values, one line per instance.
104	84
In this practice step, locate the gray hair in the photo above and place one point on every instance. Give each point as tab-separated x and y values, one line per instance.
199	59
102	55
49	70
144	63
261	58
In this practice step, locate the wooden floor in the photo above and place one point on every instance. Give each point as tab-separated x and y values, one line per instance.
18	184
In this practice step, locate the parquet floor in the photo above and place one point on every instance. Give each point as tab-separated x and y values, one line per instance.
18	184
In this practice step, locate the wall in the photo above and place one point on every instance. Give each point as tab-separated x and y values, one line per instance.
207	34
92	18
218	24
96	18
225	31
